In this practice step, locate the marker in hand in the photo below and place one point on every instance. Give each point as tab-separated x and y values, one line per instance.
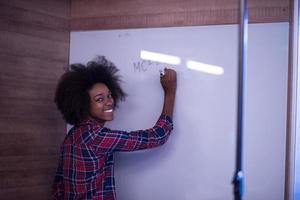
162	72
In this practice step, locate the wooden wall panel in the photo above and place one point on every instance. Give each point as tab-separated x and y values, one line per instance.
37	24
34	49
114	14
57	8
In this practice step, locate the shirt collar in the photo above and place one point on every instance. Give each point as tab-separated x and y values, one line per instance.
90	121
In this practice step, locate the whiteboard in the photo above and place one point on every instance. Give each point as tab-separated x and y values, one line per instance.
198	161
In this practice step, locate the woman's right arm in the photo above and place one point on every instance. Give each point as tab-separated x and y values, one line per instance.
114	140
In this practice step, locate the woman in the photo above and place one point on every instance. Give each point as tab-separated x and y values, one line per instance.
87	97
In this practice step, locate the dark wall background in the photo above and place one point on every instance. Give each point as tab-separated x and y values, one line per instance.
34	49
111	14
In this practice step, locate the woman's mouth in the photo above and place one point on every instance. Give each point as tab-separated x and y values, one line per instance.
109	110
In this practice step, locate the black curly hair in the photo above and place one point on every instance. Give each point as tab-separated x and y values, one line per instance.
71	96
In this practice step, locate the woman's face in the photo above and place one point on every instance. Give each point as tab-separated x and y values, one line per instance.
101	104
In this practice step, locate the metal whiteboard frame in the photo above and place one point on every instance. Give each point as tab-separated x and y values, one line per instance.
292	102
243	44
295	144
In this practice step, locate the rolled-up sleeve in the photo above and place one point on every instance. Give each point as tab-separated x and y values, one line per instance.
108	140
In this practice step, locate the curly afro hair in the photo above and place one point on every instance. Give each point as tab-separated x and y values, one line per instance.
71	96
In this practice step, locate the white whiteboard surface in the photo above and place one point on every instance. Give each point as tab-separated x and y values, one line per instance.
198	161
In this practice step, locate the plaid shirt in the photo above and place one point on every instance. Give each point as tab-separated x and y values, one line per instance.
85	169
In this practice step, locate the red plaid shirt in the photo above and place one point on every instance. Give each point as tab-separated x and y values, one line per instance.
85	169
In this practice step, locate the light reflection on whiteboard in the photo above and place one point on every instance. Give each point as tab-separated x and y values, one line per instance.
159	57
206	68
175	60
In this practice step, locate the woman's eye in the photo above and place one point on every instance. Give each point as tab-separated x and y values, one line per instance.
109	96
100	100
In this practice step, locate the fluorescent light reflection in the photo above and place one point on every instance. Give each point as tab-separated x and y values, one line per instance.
164	58
206	68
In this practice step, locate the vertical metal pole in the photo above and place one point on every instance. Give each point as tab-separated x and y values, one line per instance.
243	41
292	133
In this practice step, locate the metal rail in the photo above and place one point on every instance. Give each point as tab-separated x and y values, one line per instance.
243	43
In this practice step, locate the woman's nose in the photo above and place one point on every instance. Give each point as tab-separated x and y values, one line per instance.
110	101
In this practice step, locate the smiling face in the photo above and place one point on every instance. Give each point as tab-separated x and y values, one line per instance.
101	104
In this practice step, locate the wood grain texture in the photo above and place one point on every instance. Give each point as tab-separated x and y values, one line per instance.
25	192
18	44
34	51
57	8
115	14
18	20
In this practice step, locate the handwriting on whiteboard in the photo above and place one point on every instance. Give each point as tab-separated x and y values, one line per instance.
145	65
